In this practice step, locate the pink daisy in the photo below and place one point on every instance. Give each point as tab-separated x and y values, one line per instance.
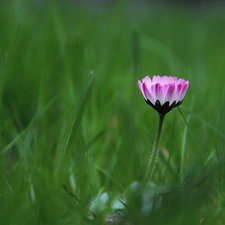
163	93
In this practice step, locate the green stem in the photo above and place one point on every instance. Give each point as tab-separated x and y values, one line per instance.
155	151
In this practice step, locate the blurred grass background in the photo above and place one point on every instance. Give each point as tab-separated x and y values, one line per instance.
71	113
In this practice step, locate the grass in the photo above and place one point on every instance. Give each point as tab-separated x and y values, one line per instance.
73	117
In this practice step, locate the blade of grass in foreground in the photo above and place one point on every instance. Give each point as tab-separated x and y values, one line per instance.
74	124
183	147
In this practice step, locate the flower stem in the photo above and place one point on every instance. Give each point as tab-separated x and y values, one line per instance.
155	151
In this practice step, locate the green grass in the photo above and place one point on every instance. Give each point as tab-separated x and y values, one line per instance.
72	115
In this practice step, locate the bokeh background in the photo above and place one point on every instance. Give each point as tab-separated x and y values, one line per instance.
75	132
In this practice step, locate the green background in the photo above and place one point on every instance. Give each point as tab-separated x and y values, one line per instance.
71	113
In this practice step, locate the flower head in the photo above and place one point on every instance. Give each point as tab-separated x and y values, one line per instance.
163	93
